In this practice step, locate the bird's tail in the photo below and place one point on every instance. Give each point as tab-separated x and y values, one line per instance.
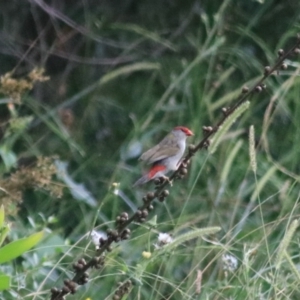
142	180
156	170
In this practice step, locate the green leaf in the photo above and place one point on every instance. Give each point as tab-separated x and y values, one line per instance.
4	282
142	66
4	230
227	124
228	163
287	239
145	33
190	235
15	249
2	216
153	222
9	157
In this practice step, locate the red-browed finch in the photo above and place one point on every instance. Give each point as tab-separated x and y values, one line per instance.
165	156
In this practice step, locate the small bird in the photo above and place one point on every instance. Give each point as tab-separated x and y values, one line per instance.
165	156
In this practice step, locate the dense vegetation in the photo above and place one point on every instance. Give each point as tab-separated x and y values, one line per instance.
87	86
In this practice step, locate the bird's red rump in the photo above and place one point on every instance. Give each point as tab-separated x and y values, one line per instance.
155	169
187	131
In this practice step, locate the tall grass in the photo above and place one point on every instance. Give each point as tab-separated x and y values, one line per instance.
116	89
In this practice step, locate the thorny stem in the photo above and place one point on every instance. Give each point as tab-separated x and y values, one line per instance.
204	143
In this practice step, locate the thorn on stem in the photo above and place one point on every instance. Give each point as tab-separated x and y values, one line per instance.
206	144
225	111
263	86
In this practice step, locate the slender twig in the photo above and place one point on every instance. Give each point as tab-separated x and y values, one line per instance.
123	221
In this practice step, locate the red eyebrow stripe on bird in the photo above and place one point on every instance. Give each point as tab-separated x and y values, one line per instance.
155	169
187	131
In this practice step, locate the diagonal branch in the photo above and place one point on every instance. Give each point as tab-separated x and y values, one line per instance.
123	220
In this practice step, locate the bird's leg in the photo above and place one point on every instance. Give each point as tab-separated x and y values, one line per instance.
165	178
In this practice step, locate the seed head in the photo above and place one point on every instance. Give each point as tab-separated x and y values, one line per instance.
267	70
280	52
297	51
258	89
245	90
150	196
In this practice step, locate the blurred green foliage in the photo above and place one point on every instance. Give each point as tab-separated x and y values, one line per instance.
122	74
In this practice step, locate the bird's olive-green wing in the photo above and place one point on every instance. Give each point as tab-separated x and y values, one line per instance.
166	148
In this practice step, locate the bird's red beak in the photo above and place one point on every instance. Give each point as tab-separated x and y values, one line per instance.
189	132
